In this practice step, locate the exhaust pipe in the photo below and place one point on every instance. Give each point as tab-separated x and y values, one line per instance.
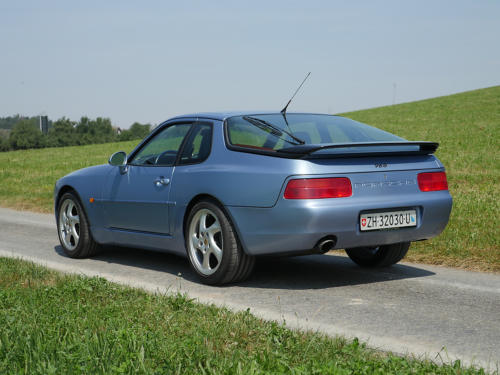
326	244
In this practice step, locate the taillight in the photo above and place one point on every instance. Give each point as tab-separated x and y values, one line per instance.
318	188
432	181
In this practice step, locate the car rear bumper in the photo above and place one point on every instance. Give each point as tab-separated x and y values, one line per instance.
295	226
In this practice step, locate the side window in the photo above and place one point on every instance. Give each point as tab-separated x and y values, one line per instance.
162	149
243	133
198	145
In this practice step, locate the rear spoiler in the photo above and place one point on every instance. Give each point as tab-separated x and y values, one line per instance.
361	149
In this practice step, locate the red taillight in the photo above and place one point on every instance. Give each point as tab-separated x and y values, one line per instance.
318	188
432	181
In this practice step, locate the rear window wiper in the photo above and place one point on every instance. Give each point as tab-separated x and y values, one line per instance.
274	130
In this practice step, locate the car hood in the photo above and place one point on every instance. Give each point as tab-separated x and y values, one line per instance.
91	171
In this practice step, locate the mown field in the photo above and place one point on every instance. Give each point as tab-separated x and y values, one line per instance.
27	177
467	125
52	323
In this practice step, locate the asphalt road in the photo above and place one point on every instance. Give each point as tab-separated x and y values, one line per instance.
436	312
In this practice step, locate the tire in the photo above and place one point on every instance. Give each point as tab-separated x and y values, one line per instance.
213	249
245	269
379	256
73	228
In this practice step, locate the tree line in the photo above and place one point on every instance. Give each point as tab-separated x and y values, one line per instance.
18	133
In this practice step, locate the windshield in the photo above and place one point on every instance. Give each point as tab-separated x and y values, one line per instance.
245	131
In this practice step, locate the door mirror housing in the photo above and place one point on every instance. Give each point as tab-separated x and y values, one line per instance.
119	159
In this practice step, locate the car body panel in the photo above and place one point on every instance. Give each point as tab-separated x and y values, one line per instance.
268	231
150	209
87	183
130	209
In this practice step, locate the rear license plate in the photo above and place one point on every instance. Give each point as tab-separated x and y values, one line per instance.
385	220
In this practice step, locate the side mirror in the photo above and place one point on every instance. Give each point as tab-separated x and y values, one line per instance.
119	159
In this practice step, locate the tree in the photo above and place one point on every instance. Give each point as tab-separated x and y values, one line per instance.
26	134
9	121
99	130
4	144
103	130
62	133
136	131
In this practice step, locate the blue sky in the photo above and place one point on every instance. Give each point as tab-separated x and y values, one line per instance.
149	60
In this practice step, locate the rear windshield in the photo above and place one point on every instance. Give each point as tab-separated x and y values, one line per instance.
272	133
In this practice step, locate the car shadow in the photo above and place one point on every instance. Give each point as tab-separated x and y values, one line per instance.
324	271
297	273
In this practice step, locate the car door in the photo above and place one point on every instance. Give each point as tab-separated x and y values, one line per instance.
136	197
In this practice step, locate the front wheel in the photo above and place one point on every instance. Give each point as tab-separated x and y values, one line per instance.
378	256
73	228
213	247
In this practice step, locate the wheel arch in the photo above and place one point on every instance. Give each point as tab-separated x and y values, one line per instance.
211	198
63	190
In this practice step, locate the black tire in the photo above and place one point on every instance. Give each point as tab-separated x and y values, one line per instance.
233	264
74	235
246	268
379	256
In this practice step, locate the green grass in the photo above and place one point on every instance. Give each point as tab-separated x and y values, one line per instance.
52	323
467	126
27	177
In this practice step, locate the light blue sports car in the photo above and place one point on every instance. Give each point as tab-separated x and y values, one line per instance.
224	188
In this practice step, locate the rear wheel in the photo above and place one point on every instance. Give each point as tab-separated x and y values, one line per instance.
213	248
378	256
73	228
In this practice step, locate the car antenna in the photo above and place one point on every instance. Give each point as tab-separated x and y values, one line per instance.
283	111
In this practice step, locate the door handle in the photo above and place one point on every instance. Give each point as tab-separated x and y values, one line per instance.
162	181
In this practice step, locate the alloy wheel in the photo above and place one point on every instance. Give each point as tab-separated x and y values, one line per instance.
205	242
69	224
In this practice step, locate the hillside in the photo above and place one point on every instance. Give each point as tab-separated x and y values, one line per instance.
467	126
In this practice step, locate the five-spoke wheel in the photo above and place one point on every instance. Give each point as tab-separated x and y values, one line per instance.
212	246
73	228
69	224
205	242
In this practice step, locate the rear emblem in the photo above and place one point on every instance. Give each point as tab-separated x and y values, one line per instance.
380	165
383	184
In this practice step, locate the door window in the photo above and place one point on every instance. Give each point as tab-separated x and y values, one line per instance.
198	144
162	149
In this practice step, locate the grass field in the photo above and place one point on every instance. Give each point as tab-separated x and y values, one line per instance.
57	324
467	125
27	177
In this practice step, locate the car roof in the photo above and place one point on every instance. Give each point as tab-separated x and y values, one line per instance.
224	115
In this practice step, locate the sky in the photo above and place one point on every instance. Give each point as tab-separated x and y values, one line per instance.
147	61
